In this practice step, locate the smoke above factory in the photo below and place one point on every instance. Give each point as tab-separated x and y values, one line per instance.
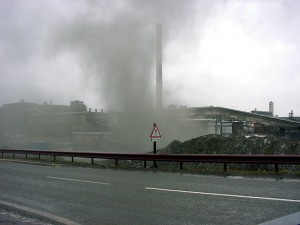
120	55
221	53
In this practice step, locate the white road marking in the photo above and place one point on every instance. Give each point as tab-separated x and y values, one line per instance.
223	195
30	162
40	213
84	181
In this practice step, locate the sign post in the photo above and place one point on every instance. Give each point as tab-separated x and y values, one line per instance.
155	136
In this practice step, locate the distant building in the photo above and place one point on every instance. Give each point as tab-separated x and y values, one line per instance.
78	106
263	113
266	113
41	119
291	117
271	107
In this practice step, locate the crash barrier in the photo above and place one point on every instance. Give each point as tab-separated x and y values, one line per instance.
199	158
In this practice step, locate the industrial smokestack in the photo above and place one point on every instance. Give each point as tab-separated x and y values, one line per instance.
159	97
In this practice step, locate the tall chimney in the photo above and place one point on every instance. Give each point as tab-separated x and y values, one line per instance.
159	97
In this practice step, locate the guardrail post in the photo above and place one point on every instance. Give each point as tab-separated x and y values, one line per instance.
92	160
276	168
145	164
26	155
54	157
181	165
154	152
225	167
72	159
116	162
39	157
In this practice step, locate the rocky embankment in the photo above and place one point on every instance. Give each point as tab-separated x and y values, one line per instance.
217	144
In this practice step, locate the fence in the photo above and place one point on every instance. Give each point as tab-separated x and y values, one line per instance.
181	158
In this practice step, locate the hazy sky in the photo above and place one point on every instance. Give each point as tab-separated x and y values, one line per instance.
234	54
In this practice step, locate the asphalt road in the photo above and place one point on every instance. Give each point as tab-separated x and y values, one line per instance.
107	196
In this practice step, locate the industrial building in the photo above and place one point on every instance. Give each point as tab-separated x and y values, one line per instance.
110	131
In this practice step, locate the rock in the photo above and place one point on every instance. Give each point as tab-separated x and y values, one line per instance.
234	144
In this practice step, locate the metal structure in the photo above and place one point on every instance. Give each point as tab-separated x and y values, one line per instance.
224	115
201	158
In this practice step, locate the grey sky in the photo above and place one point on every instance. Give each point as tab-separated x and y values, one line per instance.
235	54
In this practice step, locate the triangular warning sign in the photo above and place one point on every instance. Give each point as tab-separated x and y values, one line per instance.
155	134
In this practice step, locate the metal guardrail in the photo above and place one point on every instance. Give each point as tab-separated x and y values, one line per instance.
201	158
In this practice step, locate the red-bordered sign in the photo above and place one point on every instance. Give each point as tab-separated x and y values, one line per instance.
155	134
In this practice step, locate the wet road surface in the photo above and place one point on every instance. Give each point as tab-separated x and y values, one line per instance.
107	196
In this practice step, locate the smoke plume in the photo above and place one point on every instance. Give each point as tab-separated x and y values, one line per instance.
116	49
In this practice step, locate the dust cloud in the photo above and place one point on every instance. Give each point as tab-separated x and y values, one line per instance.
116	51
